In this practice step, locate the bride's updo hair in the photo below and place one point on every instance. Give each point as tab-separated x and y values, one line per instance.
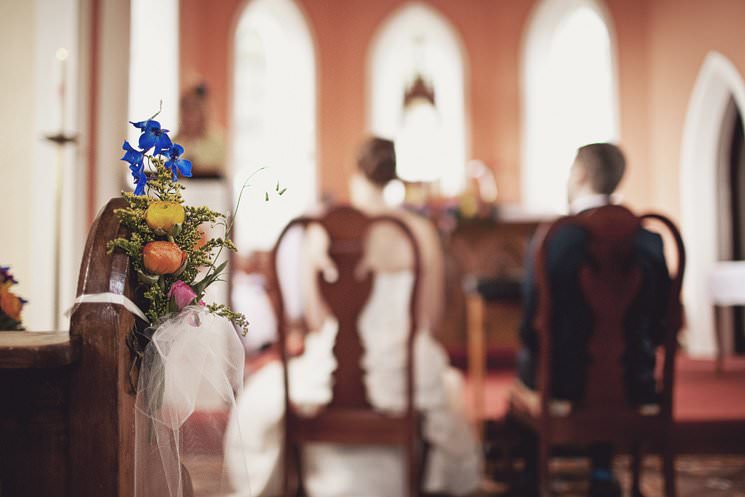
377	160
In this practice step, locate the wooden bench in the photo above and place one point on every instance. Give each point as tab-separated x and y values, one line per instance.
67	409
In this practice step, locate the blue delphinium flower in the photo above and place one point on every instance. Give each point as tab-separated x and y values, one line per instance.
152	136
136	166
140	178
175	163
133	156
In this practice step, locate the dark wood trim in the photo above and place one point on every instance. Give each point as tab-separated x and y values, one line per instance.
725	436
704	437
28	349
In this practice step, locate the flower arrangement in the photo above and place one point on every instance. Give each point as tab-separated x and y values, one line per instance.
11	304
168	243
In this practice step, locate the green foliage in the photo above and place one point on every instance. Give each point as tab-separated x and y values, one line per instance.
7	323
201	268
237	318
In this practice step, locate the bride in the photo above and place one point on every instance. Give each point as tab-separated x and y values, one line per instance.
453	461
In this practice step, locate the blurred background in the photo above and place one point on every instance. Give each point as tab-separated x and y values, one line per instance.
486	102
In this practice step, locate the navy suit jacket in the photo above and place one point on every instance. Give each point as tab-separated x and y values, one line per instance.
572	321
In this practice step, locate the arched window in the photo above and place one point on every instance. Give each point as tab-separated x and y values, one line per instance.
416	82
273	119
570	96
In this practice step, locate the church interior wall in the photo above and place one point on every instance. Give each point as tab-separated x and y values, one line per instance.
660	46
16	142
683	33
343	30
631	32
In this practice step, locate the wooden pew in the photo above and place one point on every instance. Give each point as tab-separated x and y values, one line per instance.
34	382
101	400
67	409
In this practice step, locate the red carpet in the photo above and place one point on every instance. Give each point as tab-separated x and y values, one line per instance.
709	407
702	394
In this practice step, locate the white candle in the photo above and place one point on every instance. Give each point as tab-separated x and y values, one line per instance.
61	56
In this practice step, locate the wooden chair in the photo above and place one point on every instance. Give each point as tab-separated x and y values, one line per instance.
610	285
349	419
70	419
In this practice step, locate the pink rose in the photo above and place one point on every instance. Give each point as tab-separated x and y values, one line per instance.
182	294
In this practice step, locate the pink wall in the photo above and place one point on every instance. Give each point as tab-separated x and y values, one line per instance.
684	32
206	40
630	27
660	47
343	30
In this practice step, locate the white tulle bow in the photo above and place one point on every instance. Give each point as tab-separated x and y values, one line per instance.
194	363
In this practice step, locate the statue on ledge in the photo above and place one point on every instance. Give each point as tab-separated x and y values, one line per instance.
199	134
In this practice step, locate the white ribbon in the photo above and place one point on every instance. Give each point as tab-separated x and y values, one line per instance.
109	298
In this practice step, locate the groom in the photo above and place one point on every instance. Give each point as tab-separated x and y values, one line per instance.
597	170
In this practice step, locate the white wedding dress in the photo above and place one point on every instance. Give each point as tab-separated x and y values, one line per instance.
454	459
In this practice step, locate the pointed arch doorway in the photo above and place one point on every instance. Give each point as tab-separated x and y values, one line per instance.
712	191
730	322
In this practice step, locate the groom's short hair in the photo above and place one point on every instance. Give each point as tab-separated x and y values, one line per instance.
604	164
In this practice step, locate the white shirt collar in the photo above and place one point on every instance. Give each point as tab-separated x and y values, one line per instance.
590	201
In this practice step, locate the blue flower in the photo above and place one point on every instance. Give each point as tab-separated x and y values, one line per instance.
152	136
136	166
132	155
175	163
140	178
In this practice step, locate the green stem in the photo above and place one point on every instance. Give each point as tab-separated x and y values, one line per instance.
160	109
229	224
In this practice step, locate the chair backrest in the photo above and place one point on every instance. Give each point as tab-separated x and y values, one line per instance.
347	229
610	280
675	314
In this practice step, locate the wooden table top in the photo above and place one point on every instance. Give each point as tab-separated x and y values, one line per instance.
31	349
